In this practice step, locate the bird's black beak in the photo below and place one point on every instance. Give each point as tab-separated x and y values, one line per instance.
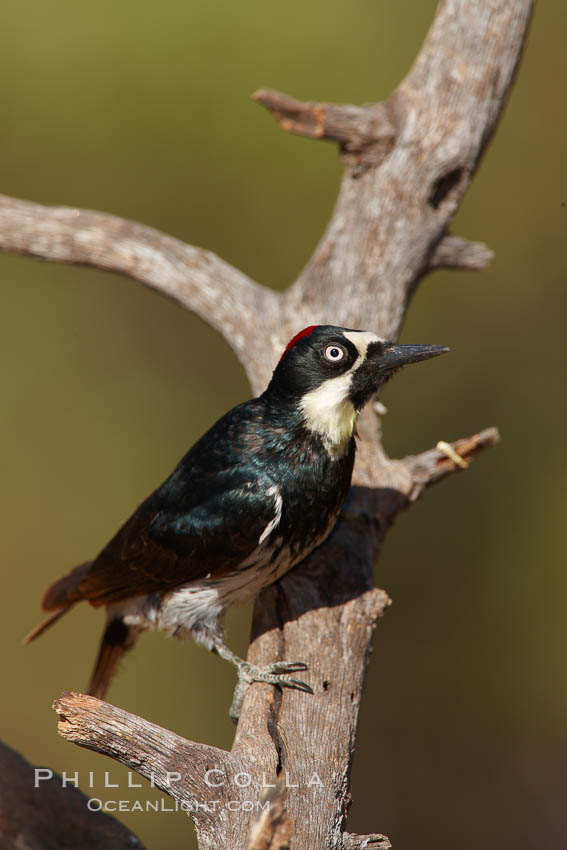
395	356
382	360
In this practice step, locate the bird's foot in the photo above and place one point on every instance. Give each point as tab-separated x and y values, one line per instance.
277	673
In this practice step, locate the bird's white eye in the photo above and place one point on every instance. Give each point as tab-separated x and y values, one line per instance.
334	353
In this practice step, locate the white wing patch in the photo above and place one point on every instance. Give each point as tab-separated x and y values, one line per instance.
273	523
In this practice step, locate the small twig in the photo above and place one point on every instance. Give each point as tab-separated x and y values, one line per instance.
457	253
435	464
353	127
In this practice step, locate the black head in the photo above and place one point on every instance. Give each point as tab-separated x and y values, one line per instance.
320	354
330	373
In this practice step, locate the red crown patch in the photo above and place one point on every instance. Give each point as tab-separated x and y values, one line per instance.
297	337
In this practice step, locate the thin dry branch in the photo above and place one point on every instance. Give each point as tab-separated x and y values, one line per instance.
355	128
453	252
435	464
198	280
150	750
173	764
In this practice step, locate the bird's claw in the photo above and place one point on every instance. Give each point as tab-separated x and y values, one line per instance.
274	674
279	667
298	685
277	673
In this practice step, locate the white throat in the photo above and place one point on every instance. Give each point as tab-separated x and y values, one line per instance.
329	412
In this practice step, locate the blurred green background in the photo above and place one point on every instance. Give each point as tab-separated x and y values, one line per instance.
144	111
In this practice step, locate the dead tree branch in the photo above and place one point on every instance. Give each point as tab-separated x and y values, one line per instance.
198	280
408	163
431	466
355	128
452	252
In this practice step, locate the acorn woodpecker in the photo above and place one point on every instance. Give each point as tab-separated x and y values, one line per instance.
252	498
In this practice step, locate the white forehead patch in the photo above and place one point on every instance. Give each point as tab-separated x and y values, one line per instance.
361	340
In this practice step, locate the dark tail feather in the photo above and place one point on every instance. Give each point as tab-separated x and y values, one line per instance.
45	624
117	639
66	590
59	598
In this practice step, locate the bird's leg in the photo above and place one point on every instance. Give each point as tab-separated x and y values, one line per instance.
277	673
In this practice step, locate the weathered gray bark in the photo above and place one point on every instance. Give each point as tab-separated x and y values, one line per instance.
408	163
